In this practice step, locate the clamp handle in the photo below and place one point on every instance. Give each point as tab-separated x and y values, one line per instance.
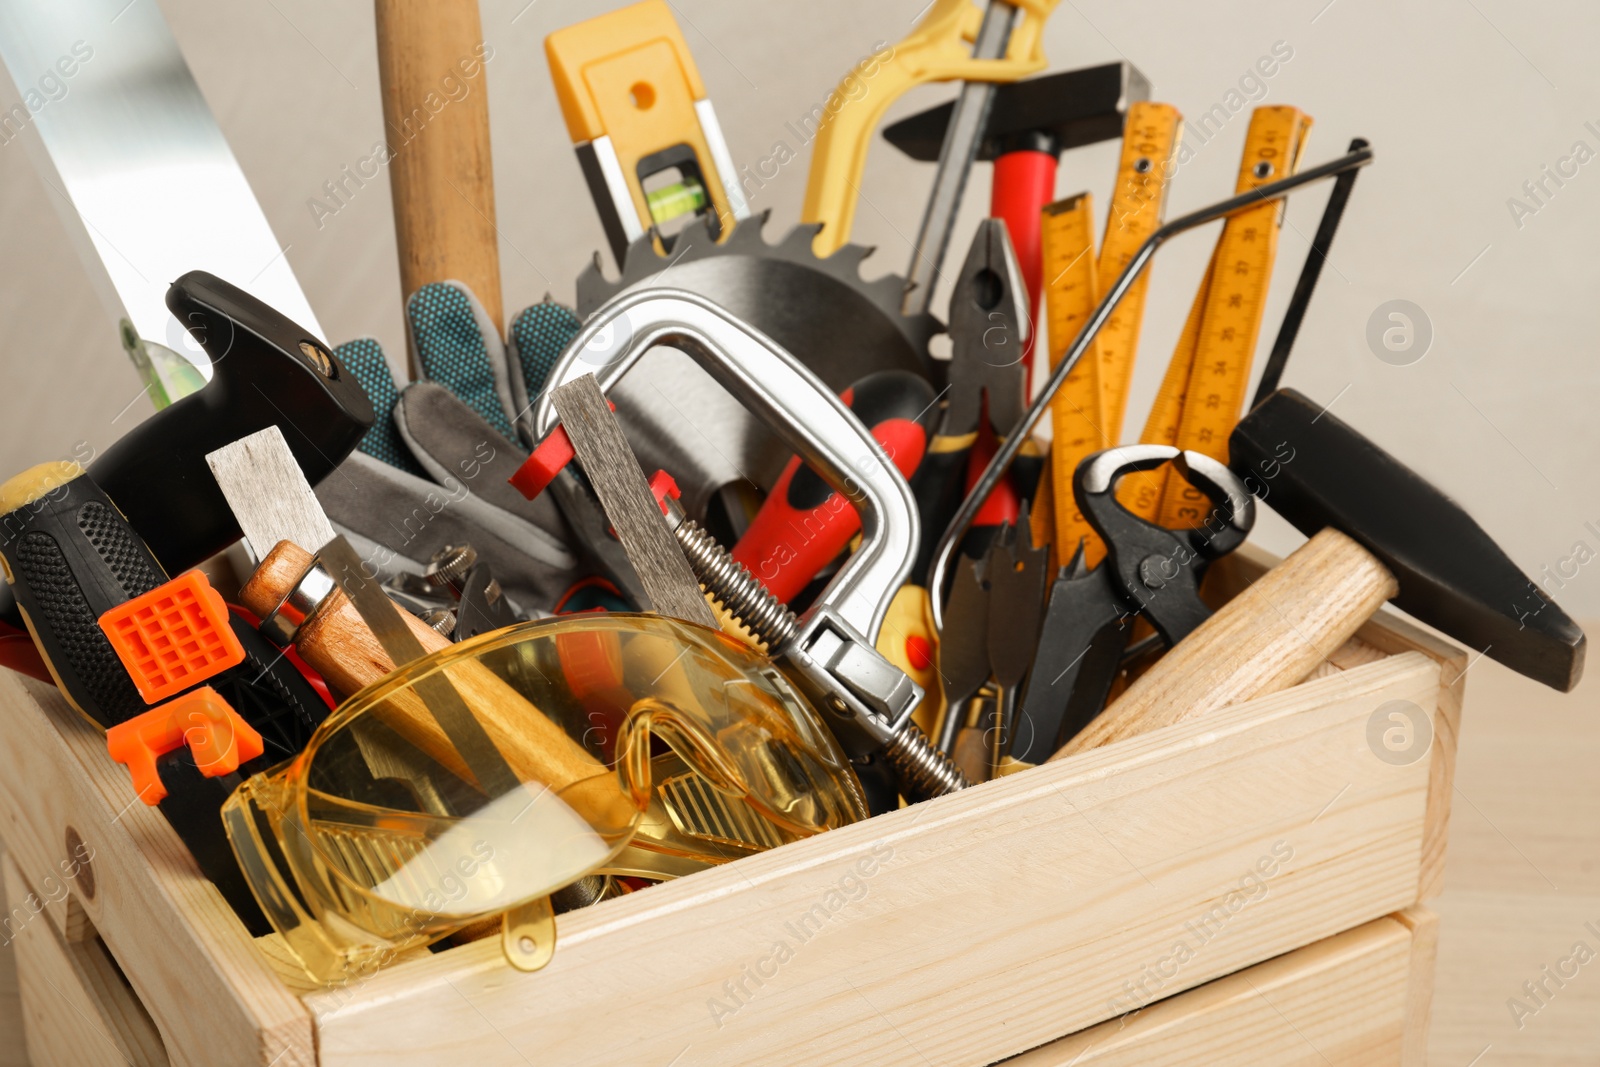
787	397
938	49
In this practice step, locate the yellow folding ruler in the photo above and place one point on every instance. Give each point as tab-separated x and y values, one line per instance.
1087	413
1203	390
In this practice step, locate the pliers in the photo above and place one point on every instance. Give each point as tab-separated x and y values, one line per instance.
989	330
1149	572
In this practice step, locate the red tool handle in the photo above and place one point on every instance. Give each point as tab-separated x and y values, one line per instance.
804	524
1024	182
18	652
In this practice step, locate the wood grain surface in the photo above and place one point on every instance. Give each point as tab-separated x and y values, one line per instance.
1341	1001
54	774
963	930
441	174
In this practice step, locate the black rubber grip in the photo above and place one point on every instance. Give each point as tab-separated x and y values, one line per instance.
72	558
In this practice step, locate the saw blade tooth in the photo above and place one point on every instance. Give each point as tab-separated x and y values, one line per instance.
747	238
694	241
593	288
796	244
849	258
640	261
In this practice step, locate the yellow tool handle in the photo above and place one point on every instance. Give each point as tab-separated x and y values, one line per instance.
907	640
1236	302
629	76
1077	416
938	49
441	175
1138	205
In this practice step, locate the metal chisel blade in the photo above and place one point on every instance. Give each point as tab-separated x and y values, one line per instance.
140	171
268	493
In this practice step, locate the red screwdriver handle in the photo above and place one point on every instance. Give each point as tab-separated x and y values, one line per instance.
804	524
1024	182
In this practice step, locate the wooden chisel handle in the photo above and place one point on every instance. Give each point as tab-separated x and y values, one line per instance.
431	57
339	646
1266	639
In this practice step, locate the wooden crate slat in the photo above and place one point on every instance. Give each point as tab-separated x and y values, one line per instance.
1342	1000
213	997
991	921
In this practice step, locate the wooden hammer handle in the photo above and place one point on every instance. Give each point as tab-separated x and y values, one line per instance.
1264	640
431	72
339	646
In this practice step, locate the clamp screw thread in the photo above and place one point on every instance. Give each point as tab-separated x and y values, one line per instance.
922	770
739	591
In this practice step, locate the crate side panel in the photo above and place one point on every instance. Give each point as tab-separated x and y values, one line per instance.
976	926
169	928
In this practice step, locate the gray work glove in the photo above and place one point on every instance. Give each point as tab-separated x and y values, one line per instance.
434	474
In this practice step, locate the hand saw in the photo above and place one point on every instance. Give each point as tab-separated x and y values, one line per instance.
153	189
940	48
1201	395
1087	412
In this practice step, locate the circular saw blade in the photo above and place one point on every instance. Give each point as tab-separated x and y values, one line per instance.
821	310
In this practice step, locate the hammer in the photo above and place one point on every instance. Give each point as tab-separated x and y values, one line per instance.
1380	532
1030	124
265	371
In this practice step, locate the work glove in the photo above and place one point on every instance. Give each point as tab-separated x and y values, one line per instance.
433	469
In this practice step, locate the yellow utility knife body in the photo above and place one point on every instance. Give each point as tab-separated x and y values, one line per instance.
646	135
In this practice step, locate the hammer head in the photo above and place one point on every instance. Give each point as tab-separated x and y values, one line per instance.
265	371
1048	114
1317	471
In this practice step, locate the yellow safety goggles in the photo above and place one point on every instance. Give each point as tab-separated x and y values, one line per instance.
477	781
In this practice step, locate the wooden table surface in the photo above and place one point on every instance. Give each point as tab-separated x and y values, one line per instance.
1521	893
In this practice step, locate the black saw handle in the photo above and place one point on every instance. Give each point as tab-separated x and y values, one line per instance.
266	371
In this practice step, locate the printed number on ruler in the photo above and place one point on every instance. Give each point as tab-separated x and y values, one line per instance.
1141	493
1220	339
1138	204
1077	420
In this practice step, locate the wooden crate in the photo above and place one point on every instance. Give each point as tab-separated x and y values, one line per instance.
1268	841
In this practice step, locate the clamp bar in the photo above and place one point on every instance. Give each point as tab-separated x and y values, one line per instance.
787	397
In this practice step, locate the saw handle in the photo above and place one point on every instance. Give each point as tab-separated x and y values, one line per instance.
1265	640
441	175
938	49
265	371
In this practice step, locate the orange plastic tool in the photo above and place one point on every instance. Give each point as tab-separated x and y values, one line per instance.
173	637
219	738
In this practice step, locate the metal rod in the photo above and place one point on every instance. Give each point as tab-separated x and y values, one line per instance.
1295	314
1141	259
968	120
